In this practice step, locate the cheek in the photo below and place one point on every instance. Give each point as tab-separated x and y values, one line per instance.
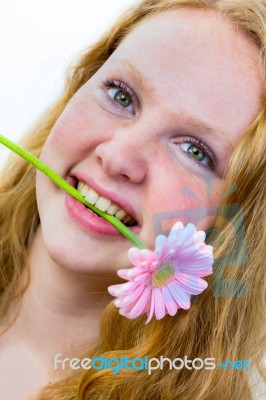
70	139
190	199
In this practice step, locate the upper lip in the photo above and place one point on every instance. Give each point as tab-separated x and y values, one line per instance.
114	197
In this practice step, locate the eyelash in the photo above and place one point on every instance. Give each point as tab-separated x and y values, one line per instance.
203	147
110	83
122	86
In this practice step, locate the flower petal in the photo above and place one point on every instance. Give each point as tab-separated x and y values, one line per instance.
181	297
170	304
130	273
178	225
191	283
175	232
196	265
199	237
119	289
185	250
124	313
133	295
142	278
160	245
181	236
134	255
138	308
191	250
159	303
151	312
126	309
147	255
123	273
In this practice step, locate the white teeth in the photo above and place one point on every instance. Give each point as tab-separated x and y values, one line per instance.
103	203
85	190
91	196
112	209
120	214
81	186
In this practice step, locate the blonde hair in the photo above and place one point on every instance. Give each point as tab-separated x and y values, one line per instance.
229	327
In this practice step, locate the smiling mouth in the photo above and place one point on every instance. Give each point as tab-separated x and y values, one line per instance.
104	204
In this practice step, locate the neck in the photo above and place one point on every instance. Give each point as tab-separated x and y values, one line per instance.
60	309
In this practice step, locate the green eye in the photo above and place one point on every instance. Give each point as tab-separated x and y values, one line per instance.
121	95
122	98
196	152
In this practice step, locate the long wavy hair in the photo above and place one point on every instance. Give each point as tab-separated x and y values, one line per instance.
227	320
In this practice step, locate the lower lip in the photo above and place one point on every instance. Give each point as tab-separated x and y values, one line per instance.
90	221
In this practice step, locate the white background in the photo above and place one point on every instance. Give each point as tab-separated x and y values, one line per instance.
38	39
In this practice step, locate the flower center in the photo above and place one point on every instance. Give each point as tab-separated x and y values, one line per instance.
163	275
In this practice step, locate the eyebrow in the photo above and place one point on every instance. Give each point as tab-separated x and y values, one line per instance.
146	86
204	128
141	80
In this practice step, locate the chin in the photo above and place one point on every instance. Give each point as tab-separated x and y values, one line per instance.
69	246
79	254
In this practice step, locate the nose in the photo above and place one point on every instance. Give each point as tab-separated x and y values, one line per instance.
123	155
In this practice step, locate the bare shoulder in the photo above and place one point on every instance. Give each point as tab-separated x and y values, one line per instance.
21	372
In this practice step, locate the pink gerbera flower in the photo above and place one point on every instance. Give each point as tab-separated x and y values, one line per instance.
163	280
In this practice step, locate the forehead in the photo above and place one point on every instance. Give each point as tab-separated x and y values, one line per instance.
197	60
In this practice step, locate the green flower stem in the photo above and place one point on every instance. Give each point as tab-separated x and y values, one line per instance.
70	189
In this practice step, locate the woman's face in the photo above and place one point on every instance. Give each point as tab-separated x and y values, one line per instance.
152	131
